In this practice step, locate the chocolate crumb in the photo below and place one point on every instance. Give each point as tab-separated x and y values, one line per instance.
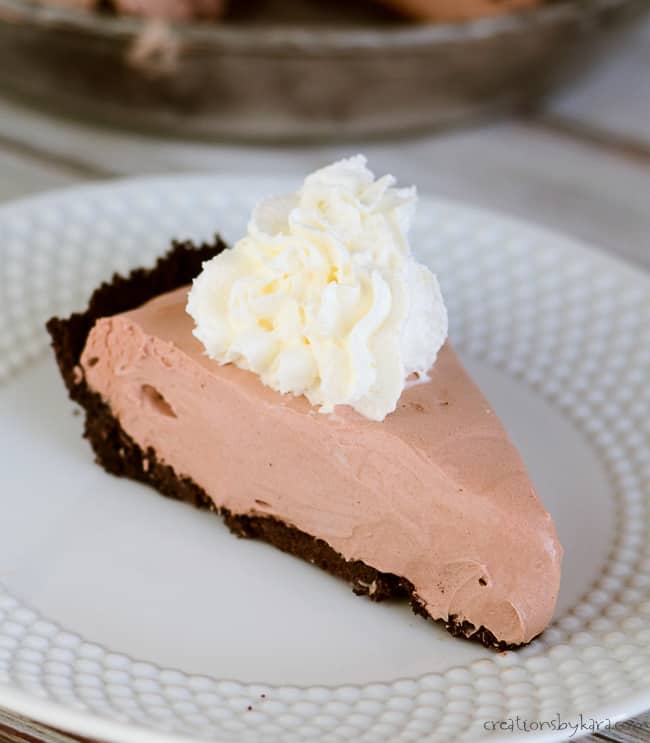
482	581
93	361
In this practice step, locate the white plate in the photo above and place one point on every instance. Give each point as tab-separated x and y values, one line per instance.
125	616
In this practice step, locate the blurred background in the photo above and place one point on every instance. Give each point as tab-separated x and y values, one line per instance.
538	108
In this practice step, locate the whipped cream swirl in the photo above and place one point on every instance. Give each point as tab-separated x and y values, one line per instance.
323	297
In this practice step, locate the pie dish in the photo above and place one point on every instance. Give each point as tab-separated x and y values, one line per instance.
195	79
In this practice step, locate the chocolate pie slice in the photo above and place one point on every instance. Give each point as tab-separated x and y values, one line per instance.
433	503
259	399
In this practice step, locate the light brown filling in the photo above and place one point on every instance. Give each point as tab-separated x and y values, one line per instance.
435	493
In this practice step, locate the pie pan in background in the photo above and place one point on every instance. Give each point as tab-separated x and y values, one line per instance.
282	81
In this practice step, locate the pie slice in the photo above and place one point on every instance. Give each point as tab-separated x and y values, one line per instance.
433	503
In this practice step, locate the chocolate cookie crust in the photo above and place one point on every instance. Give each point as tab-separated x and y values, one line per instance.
118	454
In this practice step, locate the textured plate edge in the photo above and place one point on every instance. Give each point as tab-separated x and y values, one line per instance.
81	723
288	178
